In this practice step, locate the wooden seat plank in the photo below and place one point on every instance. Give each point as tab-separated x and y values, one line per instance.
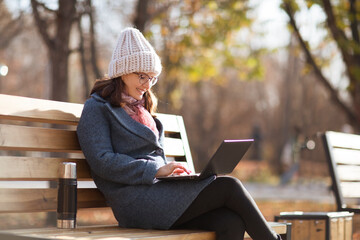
343	140
346	156
37	168
79	229
350	189
39	110
174	147
25	138
35	200
170	122
348	172
27	200
119	232
115	232
108	232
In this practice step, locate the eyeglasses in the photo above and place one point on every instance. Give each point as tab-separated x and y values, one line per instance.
144	78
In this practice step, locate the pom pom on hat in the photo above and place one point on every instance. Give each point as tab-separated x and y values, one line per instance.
133	53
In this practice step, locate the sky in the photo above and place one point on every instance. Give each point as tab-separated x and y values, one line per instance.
272	21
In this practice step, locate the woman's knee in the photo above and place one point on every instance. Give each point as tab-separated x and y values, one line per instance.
234	191
229	180
231	184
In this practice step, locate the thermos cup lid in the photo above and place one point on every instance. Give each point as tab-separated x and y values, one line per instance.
67	170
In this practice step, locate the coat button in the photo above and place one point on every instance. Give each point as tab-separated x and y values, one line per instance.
159	151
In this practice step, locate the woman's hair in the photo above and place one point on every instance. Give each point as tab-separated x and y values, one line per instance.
111	89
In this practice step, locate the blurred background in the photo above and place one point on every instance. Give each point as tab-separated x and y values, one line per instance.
279	71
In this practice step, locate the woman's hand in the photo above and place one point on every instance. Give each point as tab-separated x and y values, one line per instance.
172	168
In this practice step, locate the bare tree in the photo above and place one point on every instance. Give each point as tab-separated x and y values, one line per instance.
55	27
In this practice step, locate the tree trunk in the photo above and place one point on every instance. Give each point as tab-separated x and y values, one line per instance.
59	75
57	45
142	15
92	41
83	60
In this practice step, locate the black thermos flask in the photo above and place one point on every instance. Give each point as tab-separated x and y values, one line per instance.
67	196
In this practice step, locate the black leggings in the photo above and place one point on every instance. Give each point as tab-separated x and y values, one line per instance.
226	207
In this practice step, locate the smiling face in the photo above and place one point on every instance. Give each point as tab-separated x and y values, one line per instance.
133	87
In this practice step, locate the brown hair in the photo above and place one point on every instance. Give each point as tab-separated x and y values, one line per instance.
111	89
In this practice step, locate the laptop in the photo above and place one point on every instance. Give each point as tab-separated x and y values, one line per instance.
225	159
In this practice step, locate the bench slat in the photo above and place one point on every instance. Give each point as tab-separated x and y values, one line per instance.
37	168
108	232
115	232
22	138
349	172
346	156
170	122
81	230
37	200
174	147
343	140
90	198
350	189
186	143
39	110
31	200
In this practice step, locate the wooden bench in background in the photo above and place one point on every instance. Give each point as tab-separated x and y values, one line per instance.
343	158
35	137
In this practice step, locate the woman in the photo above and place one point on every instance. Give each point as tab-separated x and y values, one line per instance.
123	144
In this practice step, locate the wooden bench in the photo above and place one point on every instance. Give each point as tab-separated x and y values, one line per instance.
343	158
35	137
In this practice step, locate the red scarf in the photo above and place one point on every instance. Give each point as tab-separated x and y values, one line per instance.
136	110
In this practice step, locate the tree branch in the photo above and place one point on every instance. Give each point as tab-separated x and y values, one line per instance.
46	8
354	21
310	60
92	41
11	30
339	36
41	25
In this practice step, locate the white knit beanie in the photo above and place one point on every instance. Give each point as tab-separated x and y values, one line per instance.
133	53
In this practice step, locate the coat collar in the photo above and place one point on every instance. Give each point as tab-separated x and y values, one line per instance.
130	124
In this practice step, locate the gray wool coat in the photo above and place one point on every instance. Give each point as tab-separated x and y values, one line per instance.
124	156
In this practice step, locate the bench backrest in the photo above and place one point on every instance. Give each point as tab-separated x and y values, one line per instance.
343	156
37	135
